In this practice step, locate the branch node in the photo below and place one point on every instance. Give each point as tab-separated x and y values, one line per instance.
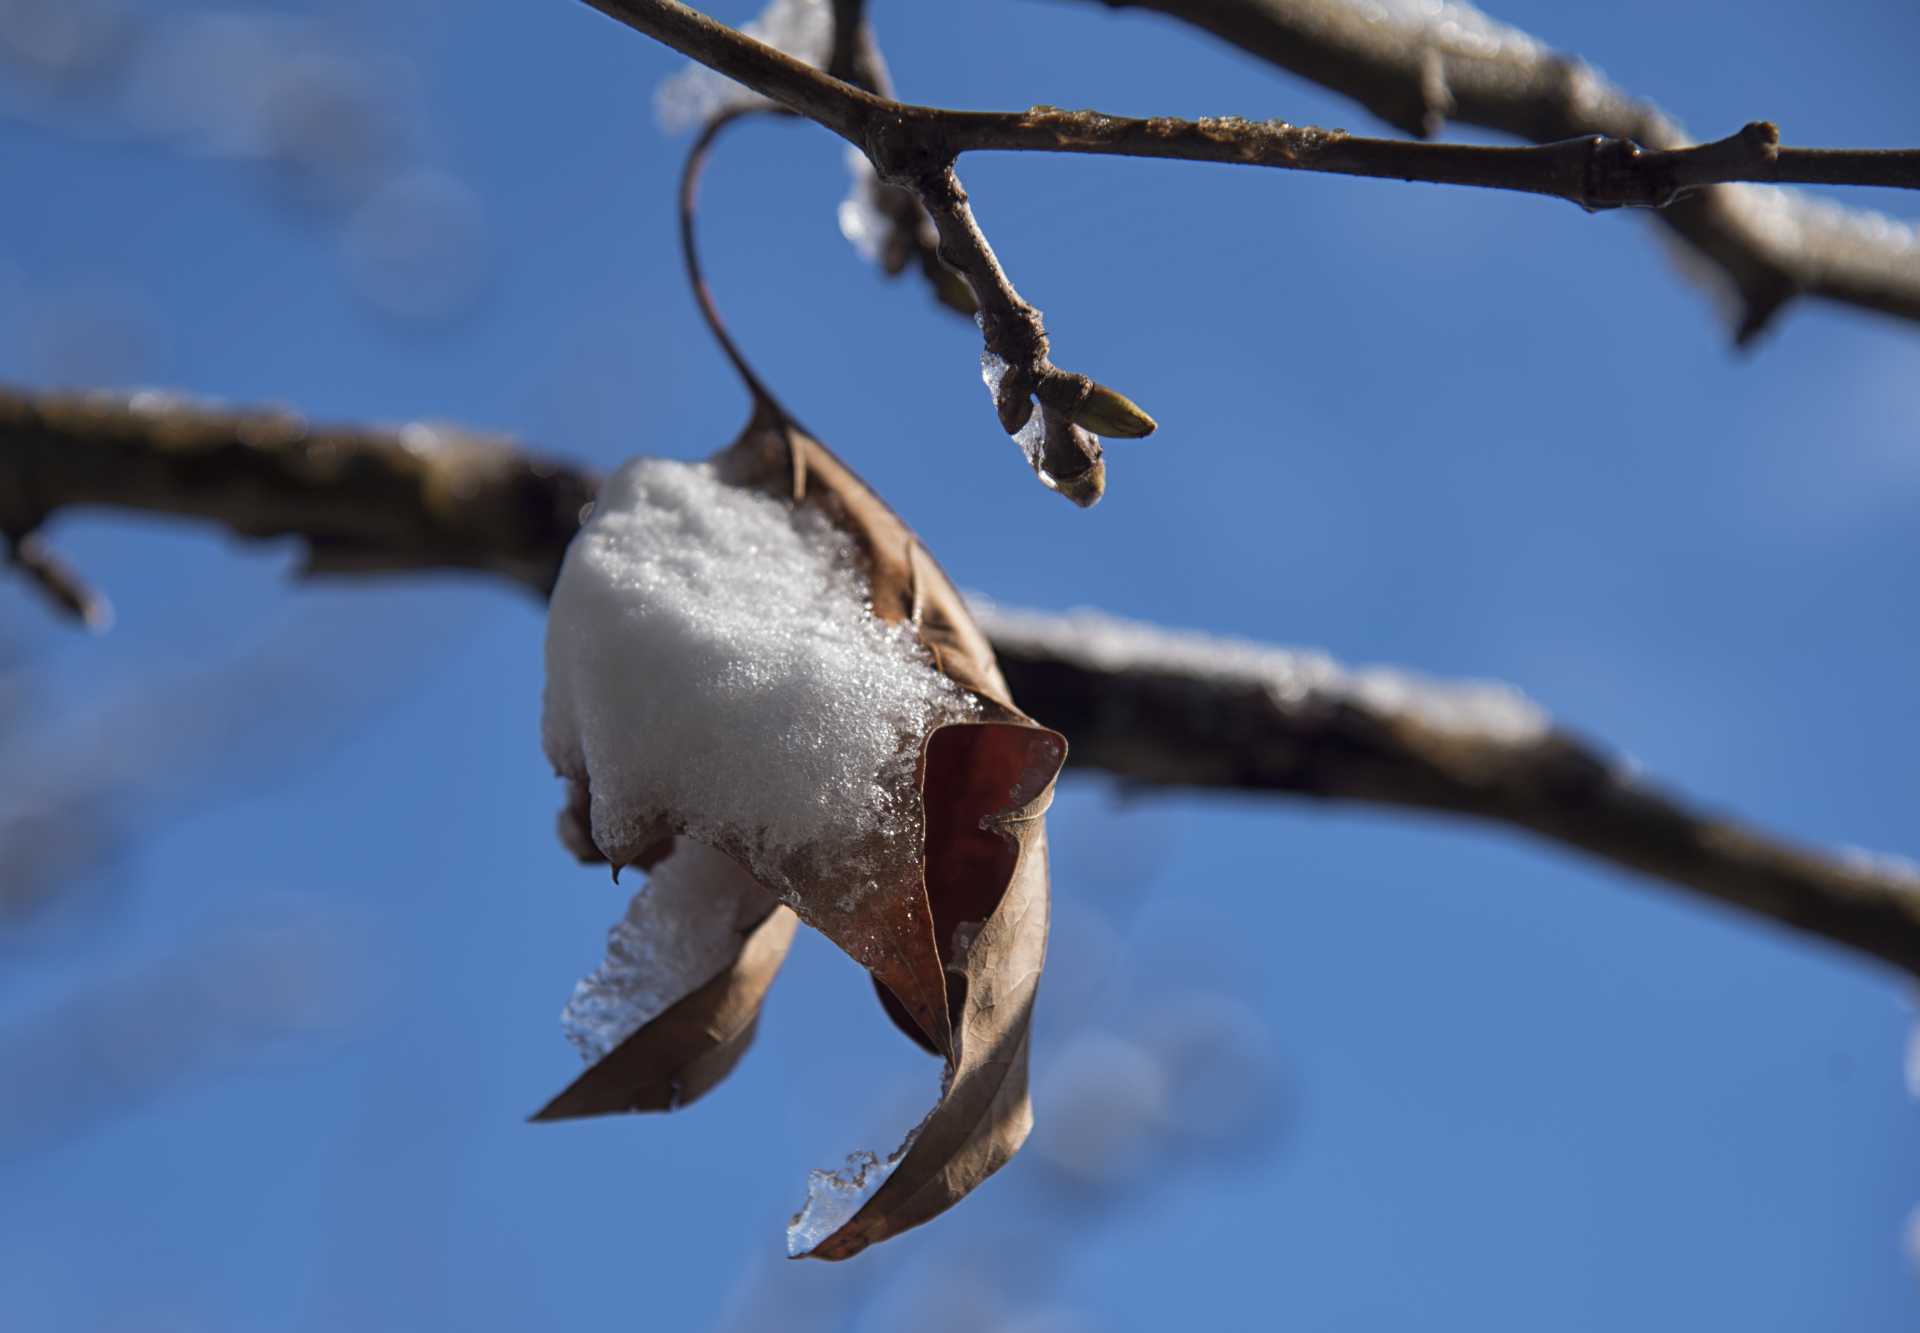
907	152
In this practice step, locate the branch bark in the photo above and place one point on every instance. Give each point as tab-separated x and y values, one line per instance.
1150	709
911	240
362	500
1416	77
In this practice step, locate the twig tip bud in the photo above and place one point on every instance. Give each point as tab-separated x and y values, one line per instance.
1111	413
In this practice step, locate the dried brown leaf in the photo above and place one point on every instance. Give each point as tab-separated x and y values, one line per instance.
953	931
964	934
987	788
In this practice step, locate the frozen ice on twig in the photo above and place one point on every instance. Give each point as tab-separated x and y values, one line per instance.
713	666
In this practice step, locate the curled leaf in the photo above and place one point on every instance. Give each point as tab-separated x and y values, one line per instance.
987	787
980	882
946	905
673	1008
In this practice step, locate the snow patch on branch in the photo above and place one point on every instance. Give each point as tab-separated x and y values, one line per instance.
1800	224
1295	677
1451	25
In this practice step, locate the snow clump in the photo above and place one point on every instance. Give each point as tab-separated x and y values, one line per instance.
714	669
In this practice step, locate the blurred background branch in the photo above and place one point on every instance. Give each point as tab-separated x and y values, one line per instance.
1418	66
1151	708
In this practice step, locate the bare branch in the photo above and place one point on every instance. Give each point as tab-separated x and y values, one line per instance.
1066	457
1593	171
1178	711
1149	708
363	500
906	148
911	240
855	57
1415	76
914	147
794	84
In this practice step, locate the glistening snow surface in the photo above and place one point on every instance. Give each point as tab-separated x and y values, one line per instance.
1494	711
713	666
680	931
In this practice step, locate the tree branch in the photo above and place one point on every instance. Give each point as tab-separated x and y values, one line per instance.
1415	76
362	500
914	147
1149	708
904	144
1593	171
910	236
1179	711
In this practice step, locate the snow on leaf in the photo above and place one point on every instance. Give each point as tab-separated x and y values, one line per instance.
681	930
673	1007
700	631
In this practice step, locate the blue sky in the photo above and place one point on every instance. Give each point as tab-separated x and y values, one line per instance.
272	1045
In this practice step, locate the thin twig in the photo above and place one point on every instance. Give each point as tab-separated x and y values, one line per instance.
910	241
905	154
1162	713
1593	171
1416	76
854	57
62	584
690	256
772	73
